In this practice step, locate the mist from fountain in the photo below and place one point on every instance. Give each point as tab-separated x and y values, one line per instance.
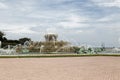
8	51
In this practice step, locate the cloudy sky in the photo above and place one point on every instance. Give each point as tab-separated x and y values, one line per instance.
79	21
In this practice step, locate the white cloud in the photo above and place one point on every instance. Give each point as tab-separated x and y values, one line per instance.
109	18
114	28
3	6
74	21
107	3
33	18
17	28
119	40
20	30
79	31
76	18
51	30
72	25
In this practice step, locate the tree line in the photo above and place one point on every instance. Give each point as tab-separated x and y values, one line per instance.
6	41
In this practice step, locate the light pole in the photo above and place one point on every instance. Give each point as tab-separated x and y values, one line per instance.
0	44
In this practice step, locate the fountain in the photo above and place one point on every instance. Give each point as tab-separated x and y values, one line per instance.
51	44
85	49
8	51
51	37
41	48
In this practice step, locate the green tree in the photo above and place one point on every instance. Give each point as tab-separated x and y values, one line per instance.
1	36
23	40
2	33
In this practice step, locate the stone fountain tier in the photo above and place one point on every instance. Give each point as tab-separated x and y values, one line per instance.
59	46
45	46
50	37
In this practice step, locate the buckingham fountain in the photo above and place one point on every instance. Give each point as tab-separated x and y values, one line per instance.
51	44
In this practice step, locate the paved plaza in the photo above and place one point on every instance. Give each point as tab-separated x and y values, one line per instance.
70	68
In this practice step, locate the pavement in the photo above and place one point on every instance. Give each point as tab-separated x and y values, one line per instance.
69	68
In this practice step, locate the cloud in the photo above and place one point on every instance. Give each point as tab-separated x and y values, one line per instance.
72	25
107	3
3	6
110	18
73	21
20	31
77	21
51	30
17	28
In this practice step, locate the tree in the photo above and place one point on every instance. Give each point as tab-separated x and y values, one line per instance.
23	40
1	36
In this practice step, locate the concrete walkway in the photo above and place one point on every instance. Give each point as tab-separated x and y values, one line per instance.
70	68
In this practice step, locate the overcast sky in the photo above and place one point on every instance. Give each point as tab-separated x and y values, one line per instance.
79	21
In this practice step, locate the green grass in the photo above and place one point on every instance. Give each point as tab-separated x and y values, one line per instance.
55	55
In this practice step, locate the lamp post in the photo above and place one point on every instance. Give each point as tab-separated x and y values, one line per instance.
0	44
